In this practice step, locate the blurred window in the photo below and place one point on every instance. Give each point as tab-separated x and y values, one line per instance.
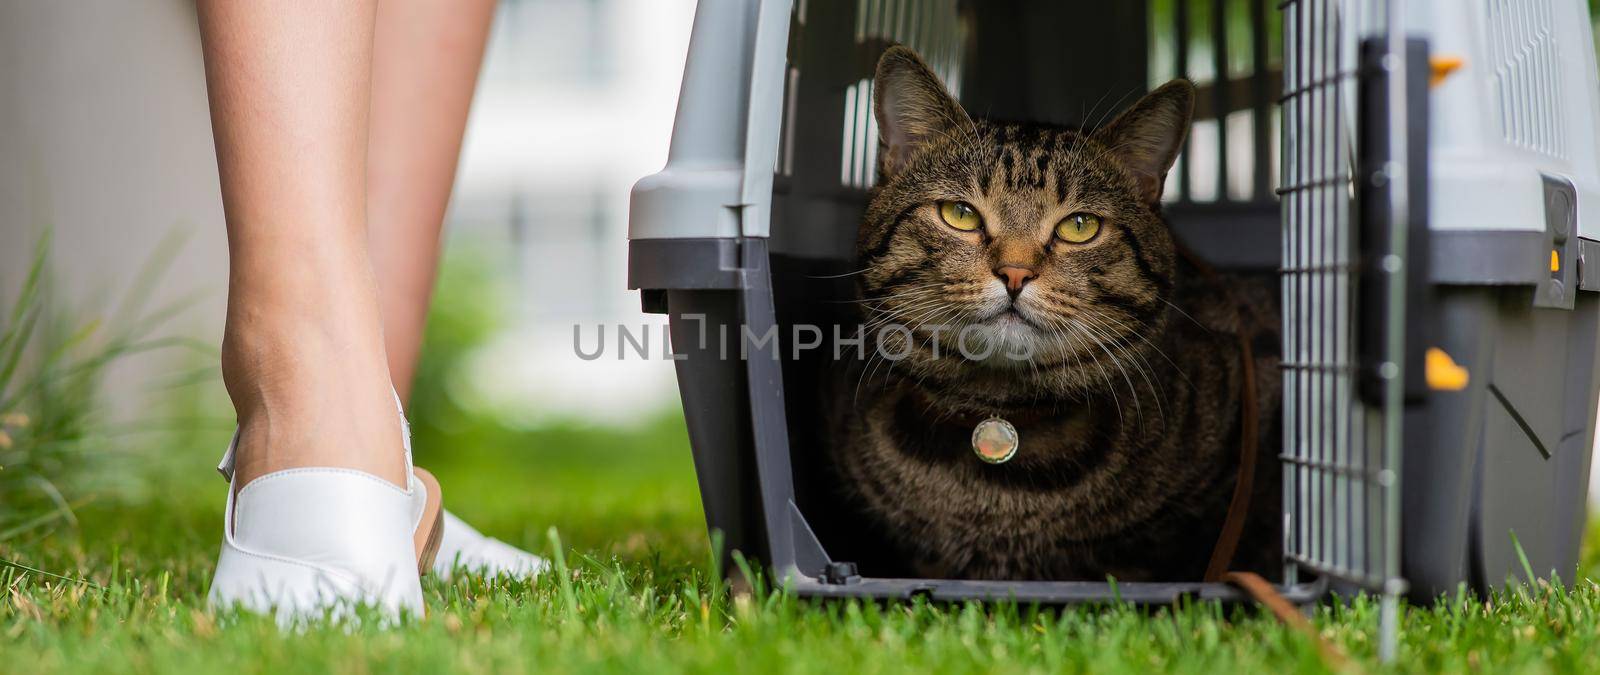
1231	153
552	41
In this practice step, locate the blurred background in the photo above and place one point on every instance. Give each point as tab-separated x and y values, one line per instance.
106	148
104	137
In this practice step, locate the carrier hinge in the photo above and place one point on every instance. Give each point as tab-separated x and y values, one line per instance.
840	573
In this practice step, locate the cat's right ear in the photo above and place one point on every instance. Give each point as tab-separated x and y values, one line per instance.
912	106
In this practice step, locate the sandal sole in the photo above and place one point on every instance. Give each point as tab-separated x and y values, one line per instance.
430	531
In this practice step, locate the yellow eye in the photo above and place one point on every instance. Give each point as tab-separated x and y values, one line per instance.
1078	228
960	215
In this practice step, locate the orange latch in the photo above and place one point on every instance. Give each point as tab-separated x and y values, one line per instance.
1442	65
1443	372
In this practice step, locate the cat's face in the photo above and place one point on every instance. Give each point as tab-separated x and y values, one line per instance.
1038	244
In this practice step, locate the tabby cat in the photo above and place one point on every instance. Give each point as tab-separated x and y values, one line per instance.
1038	240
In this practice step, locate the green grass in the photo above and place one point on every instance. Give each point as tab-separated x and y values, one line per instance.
119	586
636	594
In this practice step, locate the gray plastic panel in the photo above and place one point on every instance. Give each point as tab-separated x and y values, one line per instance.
1508	455
1442	441
682	264
1489	257
1536	437
1042	592
718	178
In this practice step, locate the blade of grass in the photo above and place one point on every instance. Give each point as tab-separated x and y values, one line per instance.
1522	557
15	345
34	570
558	558
30	285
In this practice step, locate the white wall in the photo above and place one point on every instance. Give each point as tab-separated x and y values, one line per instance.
104	136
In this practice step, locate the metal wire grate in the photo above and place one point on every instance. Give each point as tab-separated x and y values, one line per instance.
1341	449
1341	458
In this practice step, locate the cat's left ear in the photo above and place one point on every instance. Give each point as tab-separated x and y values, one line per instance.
1147	137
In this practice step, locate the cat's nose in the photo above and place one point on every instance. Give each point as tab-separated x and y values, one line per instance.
1015	278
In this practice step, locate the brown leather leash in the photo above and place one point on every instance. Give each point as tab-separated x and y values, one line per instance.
1222	553
1239	507
1263	592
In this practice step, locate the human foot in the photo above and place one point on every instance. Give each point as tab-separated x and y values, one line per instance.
301	542
465	549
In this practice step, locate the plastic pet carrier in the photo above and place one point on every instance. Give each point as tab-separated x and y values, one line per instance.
1419	173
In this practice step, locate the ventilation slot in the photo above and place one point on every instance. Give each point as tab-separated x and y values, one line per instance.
1522	48
933	29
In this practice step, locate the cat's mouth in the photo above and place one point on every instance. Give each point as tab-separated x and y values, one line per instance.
1006	337
1012	314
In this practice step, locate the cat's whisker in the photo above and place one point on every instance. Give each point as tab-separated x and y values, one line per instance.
910	313
1157	350
948	312
1084	115
1185	314
1160	391
1139	364
927	373
1125	330
1100	342
1072	352
882	314
871	358
895	316
837	276
1076	330
926	317
1117	105
906	293
897	290
1081	354
878	358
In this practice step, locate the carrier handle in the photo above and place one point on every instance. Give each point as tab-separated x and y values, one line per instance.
718	179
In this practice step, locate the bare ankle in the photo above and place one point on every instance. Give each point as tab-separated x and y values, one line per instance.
311	393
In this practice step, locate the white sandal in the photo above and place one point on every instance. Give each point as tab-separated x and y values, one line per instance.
304	542
465	549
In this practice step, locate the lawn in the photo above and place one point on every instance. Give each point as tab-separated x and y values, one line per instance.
121	589
636	595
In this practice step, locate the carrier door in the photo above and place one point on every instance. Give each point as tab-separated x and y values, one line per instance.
1354	215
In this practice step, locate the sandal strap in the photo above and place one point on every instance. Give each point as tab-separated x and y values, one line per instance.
225	467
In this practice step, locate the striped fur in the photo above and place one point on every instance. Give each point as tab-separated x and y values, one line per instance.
1129	405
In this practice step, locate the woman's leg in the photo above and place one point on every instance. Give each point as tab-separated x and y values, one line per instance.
424	71
303	354
425	67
